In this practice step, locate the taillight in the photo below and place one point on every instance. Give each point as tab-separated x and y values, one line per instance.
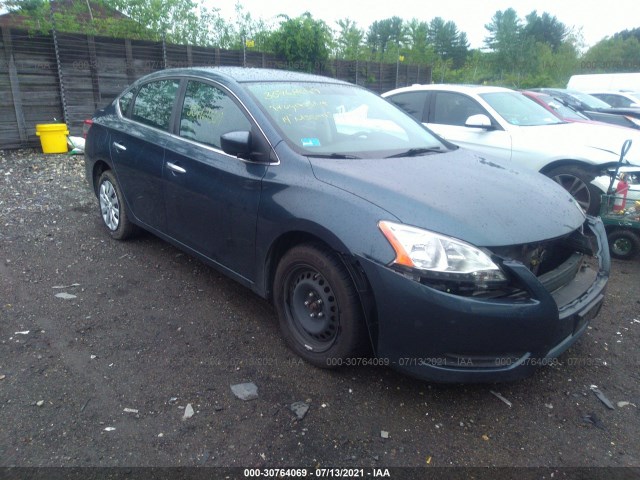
86	125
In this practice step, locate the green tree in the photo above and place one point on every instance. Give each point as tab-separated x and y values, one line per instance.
419	51
349	40
302	41
447	42
542	51
179	21
246	28
449	45
91	17
385	38
476	70
623	35
613	55
545	29
505	40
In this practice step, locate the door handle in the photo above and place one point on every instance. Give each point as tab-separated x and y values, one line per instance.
119	147
175	168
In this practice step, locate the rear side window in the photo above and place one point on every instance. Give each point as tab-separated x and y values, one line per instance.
154	103
411	102
615	100
208	113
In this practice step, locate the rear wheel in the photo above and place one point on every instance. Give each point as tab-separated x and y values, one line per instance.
113	210
623	244
318	306
577	182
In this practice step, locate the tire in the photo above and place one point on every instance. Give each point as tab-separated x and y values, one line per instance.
623	244
113	209
318	307
578	183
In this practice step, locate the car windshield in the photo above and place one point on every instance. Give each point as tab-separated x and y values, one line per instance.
588	100
561	109
341	121
517	109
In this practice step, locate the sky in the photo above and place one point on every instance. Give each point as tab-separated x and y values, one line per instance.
595	19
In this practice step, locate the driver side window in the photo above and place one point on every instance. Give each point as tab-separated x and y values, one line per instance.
208	113
454	109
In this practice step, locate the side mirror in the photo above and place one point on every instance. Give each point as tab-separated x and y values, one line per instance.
479	121
237	144
635	105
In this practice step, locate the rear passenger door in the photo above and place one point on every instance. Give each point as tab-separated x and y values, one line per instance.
212	198
137	148
414	103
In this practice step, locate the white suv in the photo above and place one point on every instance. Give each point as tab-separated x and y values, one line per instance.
508	126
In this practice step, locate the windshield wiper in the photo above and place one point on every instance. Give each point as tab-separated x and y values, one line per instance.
414	152
334	155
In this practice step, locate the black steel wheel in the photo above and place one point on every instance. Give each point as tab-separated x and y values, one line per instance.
113	210
623	244
318	307
577	182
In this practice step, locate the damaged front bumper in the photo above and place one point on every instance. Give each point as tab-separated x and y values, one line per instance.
443	337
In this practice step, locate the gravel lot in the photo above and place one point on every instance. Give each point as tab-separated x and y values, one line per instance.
104	376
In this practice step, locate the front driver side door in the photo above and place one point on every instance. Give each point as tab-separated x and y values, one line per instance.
448	112
212	198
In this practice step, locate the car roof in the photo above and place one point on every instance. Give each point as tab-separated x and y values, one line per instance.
242	74
471	89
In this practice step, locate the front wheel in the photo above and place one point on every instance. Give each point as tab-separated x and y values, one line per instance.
577	182
318	307
623	244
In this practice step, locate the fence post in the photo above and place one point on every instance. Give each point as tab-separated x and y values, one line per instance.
93	70
63	97
129	66
15	85
189	56
164	52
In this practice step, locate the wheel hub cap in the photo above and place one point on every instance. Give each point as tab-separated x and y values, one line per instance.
314	307
109	205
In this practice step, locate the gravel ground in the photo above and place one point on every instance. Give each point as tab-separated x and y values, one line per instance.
104	374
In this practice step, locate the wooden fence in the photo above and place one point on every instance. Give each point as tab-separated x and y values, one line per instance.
65	77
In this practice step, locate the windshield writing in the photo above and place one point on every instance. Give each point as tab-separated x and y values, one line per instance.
340	121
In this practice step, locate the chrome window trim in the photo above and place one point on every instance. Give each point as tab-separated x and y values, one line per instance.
199	144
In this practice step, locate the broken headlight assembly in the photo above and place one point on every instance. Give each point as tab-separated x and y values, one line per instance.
442	262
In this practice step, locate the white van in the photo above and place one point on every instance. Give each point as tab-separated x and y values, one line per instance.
603	82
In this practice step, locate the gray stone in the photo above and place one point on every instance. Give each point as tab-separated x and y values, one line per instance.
188	412
300	409
245	391
65	296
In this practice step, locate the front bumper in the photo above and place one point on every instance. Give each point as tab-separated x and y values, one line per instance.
442	337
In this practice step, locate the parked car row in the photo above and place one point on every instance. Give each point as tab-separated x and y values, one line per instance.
367	231
507	125
579	107
594	108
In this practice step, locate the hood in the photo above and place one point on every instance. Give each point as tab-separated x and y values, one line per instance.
460	194
594	143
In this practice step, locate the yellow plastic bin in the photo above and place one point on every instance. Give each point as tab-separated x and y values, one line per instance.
53	137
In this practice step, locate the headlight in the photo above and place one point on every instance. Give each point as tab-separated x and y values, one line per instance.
441	258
